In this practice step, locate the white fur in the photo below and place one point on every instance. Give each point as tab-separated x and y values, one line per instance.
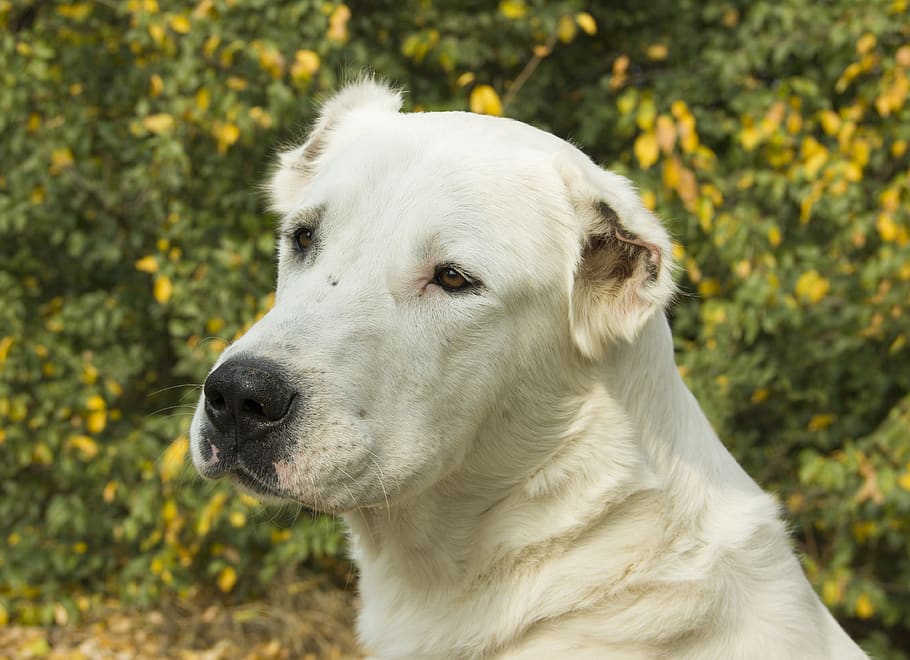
523	471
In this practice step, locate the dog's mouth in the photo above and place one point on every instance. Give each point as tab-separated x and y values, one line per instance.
257	485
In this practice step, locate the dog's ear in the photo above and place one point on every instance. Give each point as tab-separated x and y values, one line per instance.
623	274
297	165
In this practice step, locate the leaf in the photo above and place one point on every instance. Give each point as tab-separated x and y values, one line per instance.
306	63
96	421
180	24
812	287
163	289
174	458
338	24
513	9
646	149
87	446
160	124
147	264
586	22
484	100
227	578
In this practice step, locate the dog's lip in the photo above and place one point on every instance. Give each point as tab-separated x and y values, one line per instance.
254	482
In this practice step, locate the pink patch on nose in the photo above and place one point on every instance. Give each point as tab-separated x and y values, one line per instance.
285	472
214	457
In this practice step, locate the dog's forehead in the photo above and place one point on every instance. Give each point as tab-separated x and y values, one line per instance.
446	173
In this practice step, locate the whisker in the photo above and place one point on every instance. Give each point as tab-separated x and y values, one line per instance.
195	386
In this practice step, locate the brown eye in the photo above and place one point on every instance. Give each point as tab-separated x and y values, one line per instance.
303	239
450	279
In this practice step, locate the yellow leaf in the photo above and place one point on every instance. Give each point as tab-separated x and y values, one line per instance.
648	200
163	289
159	124
832	592
5	344
774	237
586	22
812	287
209	513
261	116
60	159
280	535
95	421
620	68
904	479
566	29
211	45
169	511
865	43
156	32
272	61
646	149
484	100
84	444
657	52
887	228
863	607
666	134
226	134
465	79
237	519
830	122
749	137
174	458
672	173
626	103
203	99
76	11
147	264
89	374
902	57
306	63
110	490
688	137
95	402
156	85
820	422
180	24
34	123
709	287
338	24
513	9
760	395
647	111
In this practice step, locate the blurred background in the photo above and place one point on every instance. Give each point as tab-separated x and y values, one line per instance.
772	136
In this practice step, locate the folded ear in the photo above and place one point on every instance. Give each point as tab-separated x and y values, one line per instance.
624	271
298	164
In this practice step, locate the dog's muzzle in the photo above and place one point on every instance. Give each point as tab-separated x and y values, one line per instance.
247	403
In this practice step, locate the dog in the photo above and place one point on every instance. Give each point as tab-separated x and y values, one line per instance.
468	359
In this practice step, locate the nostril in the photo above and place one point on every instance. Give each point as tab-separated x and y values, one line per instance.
251	407
216	401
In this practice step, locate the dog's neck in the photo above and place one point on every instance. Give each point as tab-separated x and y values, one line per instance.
639	459
678	440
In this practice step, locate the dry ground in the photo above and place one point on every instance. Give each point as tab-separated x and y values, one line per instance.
311	618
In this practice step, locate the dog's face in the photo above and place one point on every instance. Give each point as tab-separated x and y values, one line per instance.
430	276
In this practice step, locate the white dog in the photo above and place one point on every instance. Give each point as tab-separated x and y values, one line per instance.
468	358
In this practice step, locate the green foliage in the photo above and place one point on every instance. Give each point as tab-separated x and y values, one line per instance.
773	137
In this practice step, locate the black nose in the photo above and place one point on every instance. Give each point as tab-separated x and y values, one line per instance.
247	398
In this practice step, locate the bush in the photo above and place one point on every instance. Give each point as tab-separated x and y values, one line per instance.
772	136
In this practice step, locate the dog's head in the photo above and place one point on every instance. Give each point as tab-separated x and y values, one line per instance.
437	272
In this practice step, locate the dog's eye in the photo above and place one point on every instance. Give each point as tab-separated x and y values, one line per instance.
451	279
303	239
